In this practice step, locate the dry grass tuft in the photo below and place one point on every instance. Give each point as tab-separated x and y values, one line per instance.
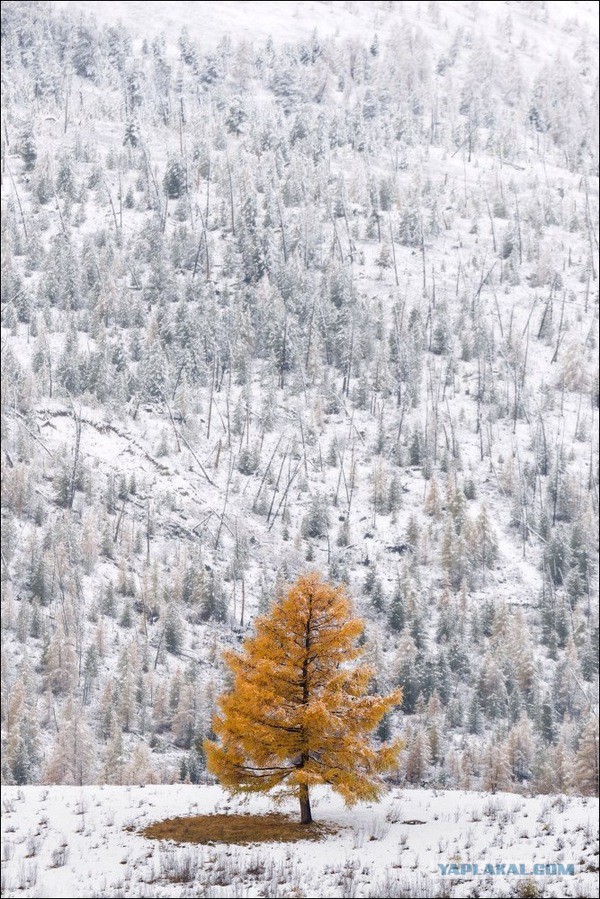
240	829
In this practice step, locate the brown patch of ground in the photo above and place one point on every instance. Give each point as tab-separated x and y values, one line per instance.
240	829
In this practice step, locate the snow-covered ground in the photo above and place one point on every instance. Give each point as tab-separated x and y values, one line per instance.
71	841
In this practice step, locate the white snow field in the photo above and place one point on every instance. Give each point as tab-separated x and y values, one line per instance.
84	841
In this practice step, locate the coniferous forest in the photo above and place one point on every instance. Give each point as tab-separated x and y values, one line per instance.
324	299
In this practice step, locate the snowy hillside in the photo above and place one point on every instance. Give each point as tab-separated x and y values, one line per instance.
295	285
283	21
86	842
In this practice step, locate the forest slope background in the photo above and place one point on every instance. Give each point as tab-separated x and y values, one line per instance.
290	286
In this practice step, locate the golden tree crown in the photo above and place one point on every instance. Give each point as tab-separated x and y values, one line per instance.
298	711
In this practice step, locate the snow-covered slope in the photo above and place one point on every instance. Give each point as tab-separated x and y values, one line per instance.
209	23
328	300
284	21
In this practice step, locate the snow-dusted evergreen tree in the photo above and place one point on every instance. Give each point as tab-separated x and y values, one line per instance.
495	767
72	759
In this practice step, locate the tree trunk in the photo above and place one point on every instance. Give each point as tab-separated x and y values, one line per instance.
305	814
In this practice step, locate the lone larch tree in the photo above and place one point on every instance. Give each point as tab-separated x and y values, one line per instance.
299	712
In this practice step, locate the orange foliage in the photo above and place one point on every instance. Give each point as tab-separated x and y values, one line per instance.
298	714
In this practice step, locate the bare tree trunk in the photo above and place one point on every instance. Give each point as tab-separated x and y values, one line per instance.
218	537
560	326
519	235
67	95
276	487
393	250
305	813
491	218
18	202
148	532
175	432
291	479
264	477
73	479
591	233
231	197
